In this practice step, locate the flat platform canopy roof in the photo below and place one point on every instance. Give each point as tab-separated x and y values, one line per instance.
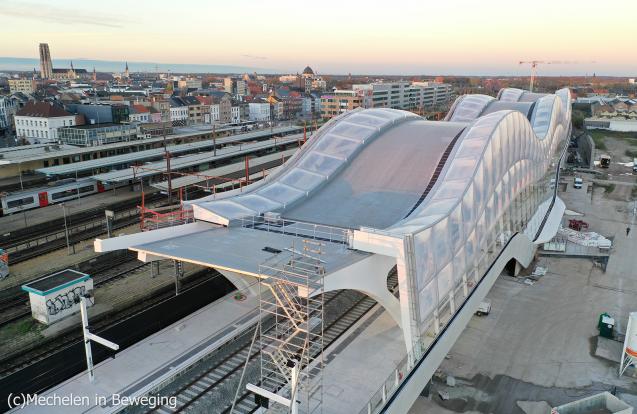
54	282
192	160
129	158
241	249
224	170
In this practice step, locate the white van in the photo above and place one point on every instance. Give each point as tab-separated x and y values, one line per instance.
577	182
635	165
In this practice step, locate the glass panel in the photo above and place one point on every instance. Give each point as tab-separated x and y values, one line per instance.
337	147
358	132
282	193
471	148
257	203
445	281
302	179
470	249
455	228
364	119
440	206
459	266
461	168
441	244
321	164
425	264
389	114
468	211
452	189
428	300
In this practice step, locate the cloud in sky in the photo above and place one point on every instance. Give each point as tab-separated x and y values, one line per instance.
54	14
255	57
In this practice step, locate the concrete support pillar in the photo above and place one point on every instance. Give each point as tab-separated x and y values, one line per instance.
179	274
249	285
369	276
154	268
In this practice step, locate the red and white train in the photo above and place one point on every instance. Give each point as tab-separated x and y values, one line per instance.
42	197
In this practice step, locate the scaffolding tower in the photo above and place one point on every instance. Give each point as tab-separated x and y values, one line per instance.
291	352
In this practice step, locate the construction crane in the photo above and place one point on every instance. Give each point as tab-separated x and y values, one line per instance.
534	64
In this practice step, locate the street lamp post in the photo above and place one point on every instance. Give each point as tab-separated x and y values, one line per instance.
66	231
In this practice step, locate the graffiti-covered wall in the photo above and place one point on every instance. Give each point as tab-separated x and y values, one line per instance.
53	306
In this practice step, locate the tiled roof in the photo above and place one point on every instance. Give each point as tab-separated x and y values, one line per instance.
42	110
140	109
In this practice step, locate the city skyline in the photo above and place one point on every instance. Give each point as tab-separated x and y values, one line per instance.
334	38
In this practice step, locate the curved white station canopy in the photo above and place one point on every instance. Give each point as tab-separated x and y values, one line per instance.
438	200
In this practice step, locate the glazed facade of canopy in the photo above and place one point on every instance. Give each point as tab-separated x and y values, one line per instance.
495	182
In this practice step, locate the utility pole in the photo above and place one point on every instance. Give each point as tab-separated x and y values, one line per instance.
247	161
24	213
214	138
170	182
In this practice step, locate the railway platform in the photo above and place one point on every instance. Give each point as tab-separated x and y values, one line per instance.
143	366
16	221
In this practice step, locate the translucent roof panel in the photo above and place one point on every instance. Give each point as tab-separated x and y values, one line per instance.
302	179
320	163
470	107
524	107
336	146
257	203
228	209
281	193
543	116
354	131
531	96
510	95
368	120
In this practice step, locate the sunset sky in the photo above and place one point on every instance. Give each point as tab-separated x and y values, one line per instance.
389	37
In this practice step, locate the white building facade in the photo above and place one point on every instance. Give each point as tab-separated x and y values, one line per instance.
178	113
39	122
214	113
405	95
235	114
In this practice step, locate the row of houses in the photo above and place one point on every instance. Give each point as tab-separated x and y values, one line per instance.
609	104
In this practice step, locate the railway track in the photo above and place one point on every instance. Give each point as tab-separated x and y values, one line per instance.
42	350
46	237
106	268
212	388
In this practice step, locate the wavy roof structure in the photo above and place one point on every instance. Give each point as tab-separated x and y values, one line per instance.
392	170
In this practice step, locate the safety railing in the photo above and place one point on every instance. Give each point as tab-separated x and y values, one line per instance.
152	219
297	228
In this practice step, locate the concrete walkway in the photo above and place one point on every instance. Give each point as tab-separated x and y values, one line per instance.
143	366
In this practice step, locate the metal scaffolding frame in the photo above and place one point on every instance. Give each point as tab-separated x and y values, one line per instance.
291	352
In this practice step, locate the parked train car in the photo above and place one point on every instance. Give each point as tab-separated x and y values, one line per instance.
41	197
